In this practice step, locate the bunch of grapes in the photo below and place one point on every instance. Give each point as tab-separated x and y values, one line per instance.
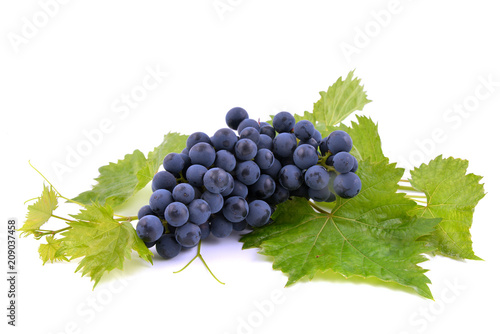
231	182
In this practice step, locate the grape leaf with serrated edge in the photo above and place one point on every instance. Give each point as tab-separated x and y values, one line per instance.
48	251
102	241
119	181
39	212
369	235
451	195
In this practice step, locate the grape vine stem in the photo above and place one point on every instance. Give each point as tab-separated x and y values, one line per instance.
198	255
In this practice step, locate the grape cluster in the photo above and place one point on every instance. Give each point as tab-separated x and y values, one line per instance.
232	182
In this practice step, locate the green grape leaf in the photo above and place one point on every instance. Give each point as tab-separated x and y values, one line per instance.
370	235
39	212
172	142
48	251
366	139
116	182
339	101
102	241
119	181
451	195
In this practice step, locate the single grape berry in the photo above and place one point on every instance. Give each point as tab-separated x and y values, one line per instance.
215	201
220	226
235	116
199	211
195	138
339	141
250	133
188	235
235	209
184	193
176	214
304	130
264	158
224	139
284	144
305	156
163	180
245	149
247	172
248	123
194	175
290	177
202	154
167	247
343	162
173	163
259	213
149	228
347	185
146	210
316	177
159	201
283	122
216	180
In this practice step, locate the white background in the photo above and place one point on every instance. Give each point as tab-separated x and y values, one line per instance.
69	75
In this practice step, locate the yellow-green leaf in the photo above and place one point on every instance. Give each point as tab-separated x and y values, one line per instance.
48	251
39	212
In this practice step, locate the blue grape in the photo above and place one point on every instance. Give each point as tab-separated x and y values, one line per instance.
220	227
320	195
317	136
316	177
194	175
235	116
173	163
144	211
284	144
245	149
283	122
185	151
264	158
304	129
323	147
202	154
305	156
280	195
159	201
347	185
302	191
329	160
238	227
149	228
167	247
265	142
205	230
248	123
250	133
310	141
267	129
339	141
197	137
343	162
247	172
216	180
239	189
150	244
215	201
355	166
184	193
274	170
264	187
290	177
225	160
176	214
199	211
224	139
230	186
163	180
259	213
235	209
188	235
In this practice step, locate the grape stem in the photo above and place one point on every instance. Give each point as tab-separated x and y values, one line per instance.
198	255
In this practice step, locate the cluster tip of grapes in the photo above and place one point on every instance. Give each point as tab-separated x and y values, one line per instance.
232	182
